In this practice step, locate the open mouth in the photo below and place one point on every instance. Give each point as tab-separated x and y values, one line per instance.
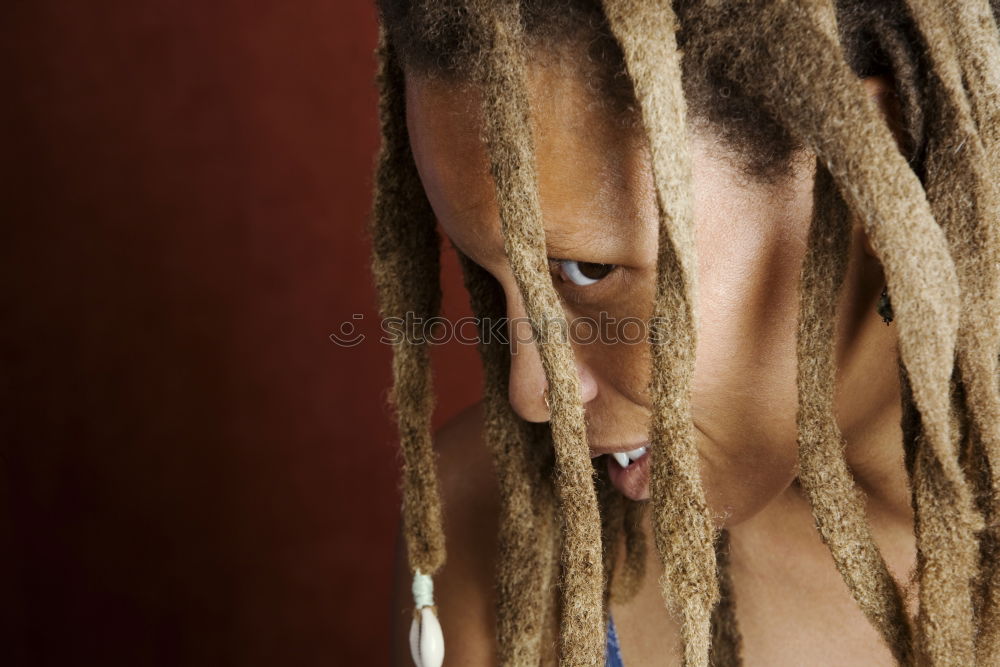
629	473
625	459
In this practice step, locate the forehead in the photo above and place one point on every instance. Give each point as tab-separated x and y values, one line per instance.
592	168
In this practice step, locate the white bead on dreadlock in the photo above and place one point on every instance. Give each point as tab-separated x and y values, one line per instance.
426	639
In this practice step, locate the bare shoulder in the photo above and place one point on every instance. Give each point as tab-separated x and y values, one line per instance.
463	589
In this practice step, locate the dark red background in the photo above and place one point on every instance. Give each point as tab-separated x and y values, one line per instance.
193	473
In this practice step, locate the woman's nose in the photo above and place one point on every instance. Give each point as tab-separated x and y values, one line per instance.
526	389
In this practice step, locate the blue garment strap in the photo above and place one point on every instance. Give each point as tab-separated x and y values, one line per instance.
614	653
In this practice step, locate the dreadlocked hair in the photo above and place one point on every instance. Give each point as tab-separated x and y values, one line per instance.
408	249
927	200
508	138
683	529
839	508
526	533
960	84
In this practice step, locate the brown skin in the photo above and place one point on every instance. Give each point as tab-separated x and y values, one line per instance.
598	205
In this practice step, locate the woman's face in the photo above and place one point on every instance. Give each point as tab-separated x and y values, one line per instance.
599	212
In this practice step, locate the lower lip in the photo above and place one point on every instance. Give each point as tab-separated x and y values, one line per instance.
633	481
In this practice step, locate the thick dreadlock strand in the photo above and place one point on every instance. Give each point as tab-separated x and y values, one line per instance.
501	75
682	526
962	190
525	546
622	535
633	570
814	93
551	628
612	506
837	504
964	197
405	243
973	27
946	565
727	642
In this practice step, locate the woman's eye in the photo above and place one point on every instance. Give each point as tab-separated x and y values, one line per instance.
583	273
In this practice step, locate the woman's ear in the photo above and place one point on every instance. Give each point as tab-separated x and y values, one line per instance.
882	90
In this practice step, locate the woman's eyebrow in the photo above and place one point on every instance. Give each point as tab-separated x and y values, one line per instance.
589	237
479	247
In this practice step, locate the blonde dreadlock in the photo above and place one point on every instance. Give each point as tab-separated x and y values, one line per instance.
682	526
526	528
508	139
937	241
408	248
837	504
823	104
964	155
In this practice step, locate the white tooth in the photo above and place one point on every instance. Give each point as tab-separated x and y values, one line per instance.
622	458
635	453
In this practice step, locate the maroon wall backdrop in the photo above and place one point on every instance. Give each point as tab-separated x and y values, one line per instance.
193	473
